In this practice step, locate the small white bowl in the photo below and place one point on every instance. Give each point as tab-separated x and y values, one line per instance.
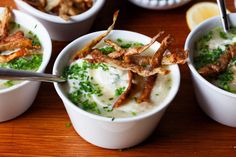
159	4
217	103
102	131
17	99
58	28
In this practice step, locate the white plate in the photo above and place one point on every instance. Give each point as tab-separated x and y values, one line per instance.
159	4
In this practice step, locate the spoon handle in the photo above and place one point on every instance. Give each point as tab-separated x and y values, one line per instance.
9	74
224	16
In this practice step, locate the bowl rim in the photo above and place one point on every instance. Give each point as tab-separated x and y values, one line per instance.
190	64
44	62
54	18
160	107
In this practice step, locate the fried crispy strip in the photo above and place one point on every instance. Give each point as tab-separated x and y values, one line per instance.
7	15
125	94
14	55
17	35
51	4
19	43
178	57
113	44
131	51
85	51
155	62
100	58
220	65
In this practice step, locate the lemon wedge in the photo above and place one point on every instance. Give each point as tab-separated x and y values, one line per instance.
199	12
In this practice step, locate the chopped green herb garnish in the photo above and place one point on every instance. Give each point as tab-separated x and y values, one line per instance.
119	91
157	94
125	46
134	113
34	38
111	98
224	79
107	50
26	63
113	118
207	57
119	40
68	124
9	83
223	35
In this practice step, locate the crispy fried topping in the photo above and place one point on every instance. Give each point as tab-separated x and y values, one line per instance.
20	53
100	58
16	43
220	65
85	50
126	93
64	8
7	15
155	62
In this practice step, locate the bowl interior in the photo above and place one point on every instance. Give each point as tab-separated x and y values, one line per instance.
194	36
38	29
66	54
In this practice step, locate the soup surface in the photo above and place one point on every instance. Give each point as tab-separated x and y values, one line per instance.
209	49
29	62
95	87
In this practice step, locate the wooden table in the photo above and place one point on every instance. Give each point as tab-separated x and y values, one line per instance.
184	130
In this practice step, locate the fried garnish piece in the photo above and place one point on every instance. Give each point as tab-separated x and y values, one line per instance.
125	94
14	55
7	15
130	51
177	57
17	35
85	51
18	43
155	62
220	65
51	4
113	44
39	4
100	58
157	58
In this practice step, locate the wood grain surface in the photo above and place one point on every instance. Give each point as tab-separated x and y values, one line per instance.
184	130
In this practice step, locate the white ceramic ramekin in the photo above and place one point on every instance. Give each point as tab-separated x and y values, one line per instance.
102	131
218	104
58	28
159	4
17	99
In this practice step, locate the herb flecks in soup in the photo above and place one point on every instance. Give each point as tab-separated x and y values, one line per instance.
20	49
111	77
216	55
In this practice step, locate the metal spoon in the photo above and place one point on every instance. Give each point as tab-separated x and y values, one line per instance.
224	16
9	74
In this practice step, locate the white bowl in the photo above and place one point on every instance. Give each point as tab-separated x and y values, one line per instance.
17	99
102	131
58	28
216	103
159	5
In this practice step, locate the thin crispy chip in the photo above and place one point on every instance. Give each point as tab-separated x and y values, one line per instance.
7	15
125	94
99	57
14	55
83	52
19	43
51	4
155	62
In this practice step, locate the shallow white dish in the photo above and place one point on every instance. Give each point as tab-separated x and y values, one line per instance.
217	103
159	4
58	28
102	131
17	99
